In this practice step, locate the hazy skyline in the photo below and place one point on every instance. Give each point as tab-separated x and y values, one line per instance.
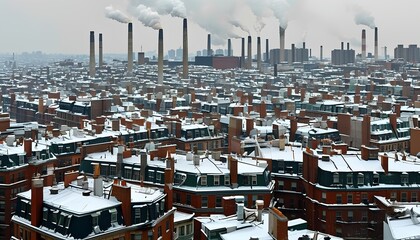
58	26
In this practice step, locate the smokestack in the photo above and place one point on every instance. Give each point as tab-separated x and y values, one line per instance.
363	44
140	58
275	70
342	45
243	53
267	51
385	52
293	53
320	53
209	53
130	49
92	55
259	53
185	50
249	60
376	43
229	48
160	57
303	51
282	42
348	46
101	59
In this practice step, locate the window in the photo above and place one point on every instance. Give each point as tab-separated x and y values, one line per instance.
254	180
350	216
365	198
281	184
189	229
338	232
112	170
281	166
227	180
403	197
364	216
349	198
375	179
324	197
137	214
338	215
151	175
293	186
360	179
158	177
204	201
113	213
203	180
300	167
324	214
159	231
246	180
336	178
216	180
136	236
350	179
54	217
188	202
95	219
182	231
45	214
404	178
414	197
393	196
339	199
218	201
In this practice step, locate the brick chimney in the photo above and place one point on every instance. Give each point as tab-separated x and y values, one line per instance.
277	224
384	162
37	199
263	110
229	205
293	128
169	173
233	168
366	130
27	145
123	194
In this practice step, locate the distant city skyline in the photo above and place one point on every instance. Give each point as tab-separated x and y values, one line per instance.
53	26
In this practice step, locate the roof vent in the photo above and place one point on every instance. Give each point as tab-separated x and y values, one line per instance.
325	158
86	193
53	190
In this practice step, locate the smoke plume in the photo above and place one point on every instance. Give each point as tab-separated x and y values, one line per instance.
259	25
147	16
175	8
240	25
362	17
115	14
280	10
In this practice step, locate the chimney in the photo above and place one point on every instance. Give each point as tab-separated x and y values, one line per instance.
98	187
302	53
120	160
243	53
123	194
348	46
160	57
101	58
293	53
37	199
41	105
143	165
233	168
185	49
320	53
293	129
259	53
168	186
366	130
140	58
277	224
27	146
267	51
263	110
92	55
342	45
229	47
259	205
275	70
384	162
209	53
249	59
282	43
376	44
363	44
130	49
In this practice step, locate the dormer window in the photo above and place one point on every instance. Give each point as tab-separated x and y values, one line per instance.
375	178
113	213
95	219
203	180
336	178
404	178
360	179
350	179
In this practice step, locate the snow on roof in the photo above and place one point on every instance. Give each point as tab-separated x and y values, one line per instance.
181	216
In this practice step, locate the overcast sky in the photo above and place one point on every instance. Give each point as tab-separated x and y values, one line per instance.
62	26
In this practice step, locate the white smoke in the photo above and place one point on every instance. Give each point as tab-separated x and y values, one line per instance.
240	25
362	17
115	14
175	8
259	25
147	16
281	11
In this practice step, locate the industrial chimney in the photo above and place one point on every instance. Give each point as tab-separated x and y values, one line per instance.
209	53
293	53
185	50
259	53
101	58
320	53
267	51
92	55
282	42
229	53
376	43
249	60
363	44
130	49
243	53
160	57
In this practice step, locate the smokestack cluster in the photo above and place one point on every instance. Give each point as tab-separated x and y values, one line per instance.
101	58
185	50
92	63
249	60
229	48
160	57
259	53
376	43
363	44
130	49
209	53
282	42
243	53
